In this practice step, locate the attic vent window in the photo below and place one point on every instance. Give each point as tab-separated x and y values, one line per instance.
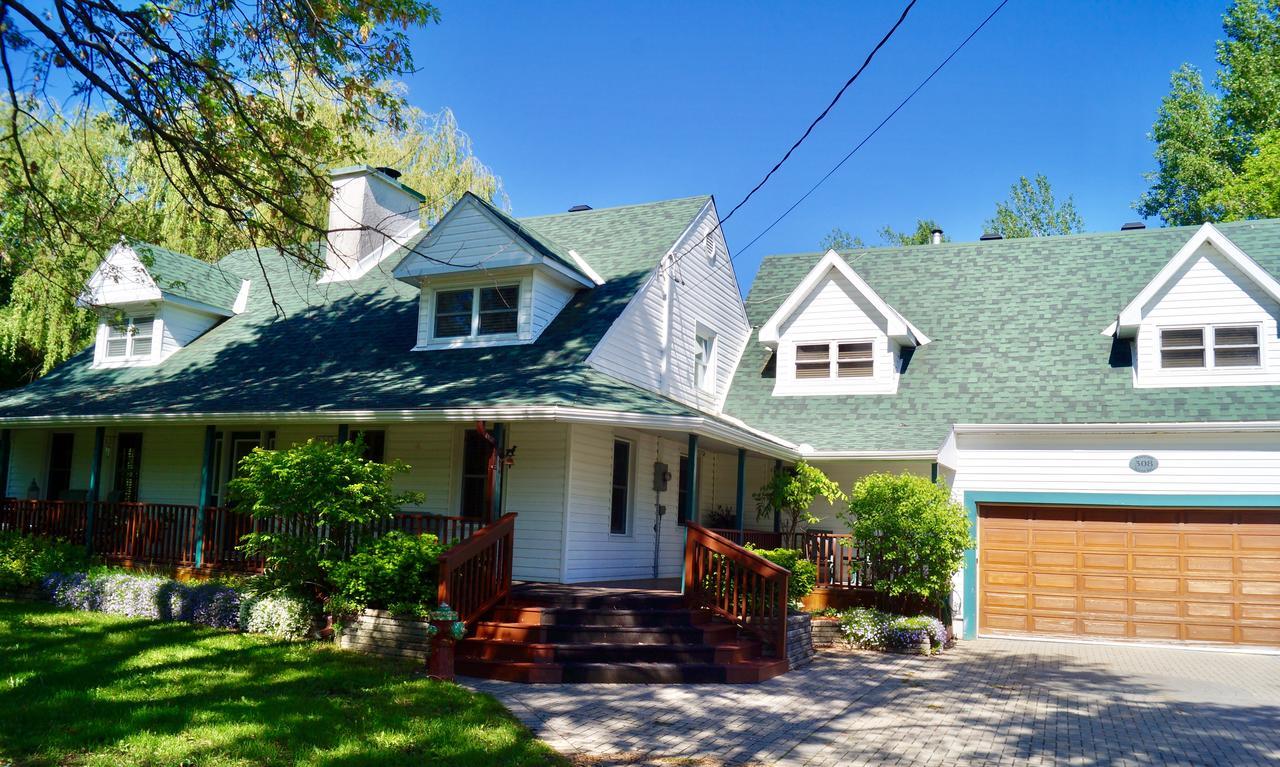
1182	348
470	312
1236	347
813	361
130	340
854	361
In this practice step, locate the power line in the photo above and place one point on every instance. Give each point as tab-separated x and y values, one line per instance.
866	62
874	130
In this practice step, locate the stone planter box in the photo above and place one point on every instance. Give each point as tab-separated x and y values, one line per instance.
826	632
799	639
378	632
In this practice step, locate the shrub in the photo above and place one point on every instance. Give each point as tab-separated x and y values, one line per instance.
25	560
318	490
864	627
144	596
279	615
395	569
790	492
873	629
804	574
913	534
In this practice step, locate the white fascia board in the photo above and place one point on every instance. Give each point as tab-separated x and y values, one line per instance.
1225	427
586	268
707	427
199	306
242	298
899	329
1131	316
870	455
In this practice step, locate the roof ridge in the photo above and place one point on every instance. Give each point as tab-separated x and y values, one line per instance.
689	198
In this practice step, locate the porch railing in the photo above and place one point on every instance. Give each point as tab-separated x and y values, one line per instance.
476	573
736	584
165	534
840	561
763	539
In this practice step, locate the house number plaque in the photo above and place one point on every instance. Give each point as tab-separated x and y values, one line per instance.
1143	464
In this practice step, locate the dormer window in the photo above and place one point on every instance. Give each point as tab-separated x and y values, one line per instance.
855	360
1234	346
131	339
851	359
474	312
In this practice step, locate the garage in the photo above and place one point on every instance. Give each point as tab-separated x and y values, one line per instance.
1137	574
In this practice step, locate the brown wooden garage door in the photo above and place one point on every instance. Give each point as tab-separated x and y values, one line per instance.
1185	575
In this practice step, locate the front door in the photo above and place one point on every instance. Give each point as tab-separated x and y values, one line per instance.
61	447
128	468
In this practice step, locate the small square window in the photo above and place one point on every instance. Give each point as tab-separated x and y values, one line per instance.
499	310
813	361
1182	348
1236	347
855	361
130	339
453	313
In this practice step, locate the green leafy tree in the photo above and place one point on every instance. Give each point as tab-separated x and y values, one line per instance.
839	239
912	532
921	235
1254	191
791	491
1205	138
1032	210
309	497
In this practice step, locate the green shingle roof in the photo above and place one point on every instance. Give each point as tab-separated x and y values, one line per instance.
189	278
1016	328
342	346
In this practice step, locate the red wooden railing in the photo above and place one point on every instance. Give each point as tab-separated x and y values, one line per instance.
165	534
736	584
841	563
476	573
761	539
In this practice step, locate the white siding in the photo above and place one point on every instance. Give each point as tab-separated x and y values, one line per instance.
550	295
28	460
593	553
429	450
836	312
467	237
180	326
652	343
1210	290
536	492
171	462
846	474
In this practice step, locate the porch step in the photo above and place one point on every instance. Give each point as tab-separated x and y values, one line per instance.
551	633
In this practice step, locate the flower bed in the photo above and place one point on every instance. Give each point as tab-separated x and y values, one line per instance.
872	629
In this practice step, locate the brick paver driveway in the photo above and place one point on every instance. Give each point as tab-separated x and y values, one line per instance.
998	702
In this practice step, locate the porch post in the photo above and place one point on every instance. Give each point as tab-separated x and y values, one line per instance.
344	433
499	434
742	487
206	479
5	448
777	520
95	484
690	512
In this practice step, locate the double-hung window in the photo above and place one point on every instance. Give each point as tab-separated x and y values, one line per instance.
1232	346
130	339
477	312
620	501
813	361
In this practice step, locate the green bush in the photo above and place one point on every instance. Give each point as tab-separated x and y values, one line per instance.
790	492
25	560
279	615
804	574
913	534
395	569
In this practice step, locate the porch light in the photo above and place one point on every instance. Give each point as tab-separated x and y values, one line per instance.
509	457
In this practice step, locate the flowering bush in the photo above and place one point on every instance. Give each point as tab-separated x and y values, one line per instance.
873	629
276	614
143	596
25	560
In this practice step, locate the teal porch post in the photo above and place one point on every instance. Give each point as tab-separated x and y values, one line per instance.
777	520
690	512
5	448
344	433
95	486
740	497
206	481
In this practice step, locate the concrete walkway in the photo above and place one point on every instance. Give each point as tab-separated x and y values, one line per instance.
990	702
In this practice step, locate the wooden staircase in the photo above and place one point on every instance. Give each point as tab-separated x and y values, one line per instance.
550	633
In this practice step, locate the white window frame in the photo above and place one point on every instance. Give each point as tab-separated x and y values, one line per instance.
631	487
705	359
1209	345
474	335
131	336
833	360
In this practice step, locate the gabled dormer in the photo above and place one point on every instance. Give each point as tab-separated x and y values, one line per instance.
151	302
835	335
1208	318
487	280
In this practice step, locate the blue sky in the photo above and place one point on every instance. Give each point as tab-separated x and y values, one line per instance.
609	103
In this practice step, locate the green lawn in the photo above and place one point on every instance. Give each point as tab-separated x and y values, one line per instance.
82	688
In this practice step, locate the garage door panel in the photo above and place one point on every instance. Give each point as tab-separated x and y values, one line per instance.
1140	574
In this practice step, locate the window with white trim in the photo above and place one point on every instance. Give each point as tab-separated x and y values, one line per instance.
839	359
704	361
131	339
1232	346
477	312
620	498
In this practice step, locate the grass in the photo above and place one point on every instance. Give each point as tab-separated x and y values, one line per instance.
88	689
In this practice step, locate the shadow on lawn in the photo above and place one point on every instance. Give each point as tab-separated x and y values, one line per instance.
111	691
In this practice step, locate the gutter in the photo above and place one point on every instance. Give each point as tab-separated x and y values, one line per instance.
1225	427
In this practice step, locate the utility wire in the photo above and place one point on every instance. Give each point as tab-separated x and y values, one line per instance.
866	62
874	130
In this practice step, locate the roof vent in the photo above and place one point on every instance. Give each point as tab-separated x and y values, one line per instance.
1132	226
935	237
579	208
991	236
388	171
